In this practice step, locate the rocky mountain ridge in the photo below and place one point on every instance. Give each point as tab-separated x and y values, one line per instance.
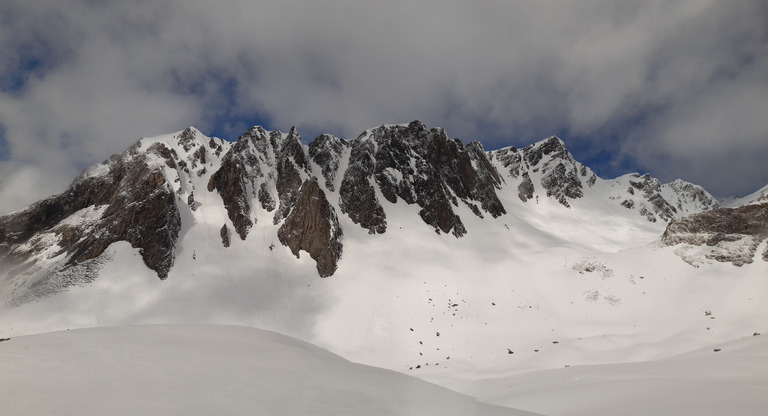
725	234
149	194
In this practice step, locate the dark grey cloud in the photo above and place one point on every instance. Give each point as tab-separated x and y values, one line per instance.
674	88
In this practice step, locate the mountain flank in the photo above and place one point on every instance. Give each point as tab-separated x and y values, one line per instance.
305	196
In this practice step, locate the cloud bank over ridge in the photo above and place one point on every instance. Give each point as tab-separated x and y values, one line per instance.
674	88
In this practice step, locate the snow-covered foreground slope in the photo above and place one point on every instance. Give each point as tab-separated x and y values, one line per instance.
205	370
726	379
211	369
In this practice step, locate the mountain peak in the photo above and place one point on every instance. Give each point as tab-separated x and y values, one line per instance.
268	184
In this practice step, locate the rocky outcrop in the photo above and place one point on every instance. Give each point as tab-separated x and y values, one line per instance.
511	159
562	184
326	151
224	234
418	166
655	200
290	160
481	180
525	189
559	171
690	195
725	234
549	163
552	147
265	198
258	164
436	207
187	139
131	202
357	196
262	165
650	189
312	226
549	168
231	182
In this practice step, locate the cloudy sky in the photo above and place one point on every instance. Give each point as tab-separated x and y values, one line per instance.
678	89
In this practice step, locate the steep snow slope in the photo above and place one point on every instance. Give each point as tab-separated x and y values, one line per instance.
431	305
205	370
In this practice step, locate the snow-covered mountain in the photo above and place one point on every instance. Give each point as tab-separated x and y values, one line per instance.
403	249
141	196
758	197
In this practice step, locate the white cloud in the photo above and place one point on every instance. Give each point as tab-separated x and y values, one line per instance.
661	77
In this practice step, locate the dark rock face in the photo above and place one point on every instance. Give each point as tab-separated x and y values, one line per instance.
251	166
239	167
663	208
559	174
265	198
312	226
262	164
480	179
562	184
290	159
224	234
326	151
689	192
191	201
418	166
510	159
552	146
648	195
132	202
200	155
731	234
229	180
187	139
525	190
217	148
357	196
436	208
650	189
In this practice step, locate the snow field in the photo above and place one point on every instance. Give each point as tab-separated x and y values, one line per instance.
204	370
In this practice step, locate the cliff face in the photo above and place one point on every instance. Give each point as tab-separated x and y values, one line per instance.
560	176
418	166
312	226
130	200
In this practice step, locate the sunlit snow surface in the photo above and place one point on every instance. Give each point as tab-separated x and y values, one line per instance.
728	379
497	314
206	370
